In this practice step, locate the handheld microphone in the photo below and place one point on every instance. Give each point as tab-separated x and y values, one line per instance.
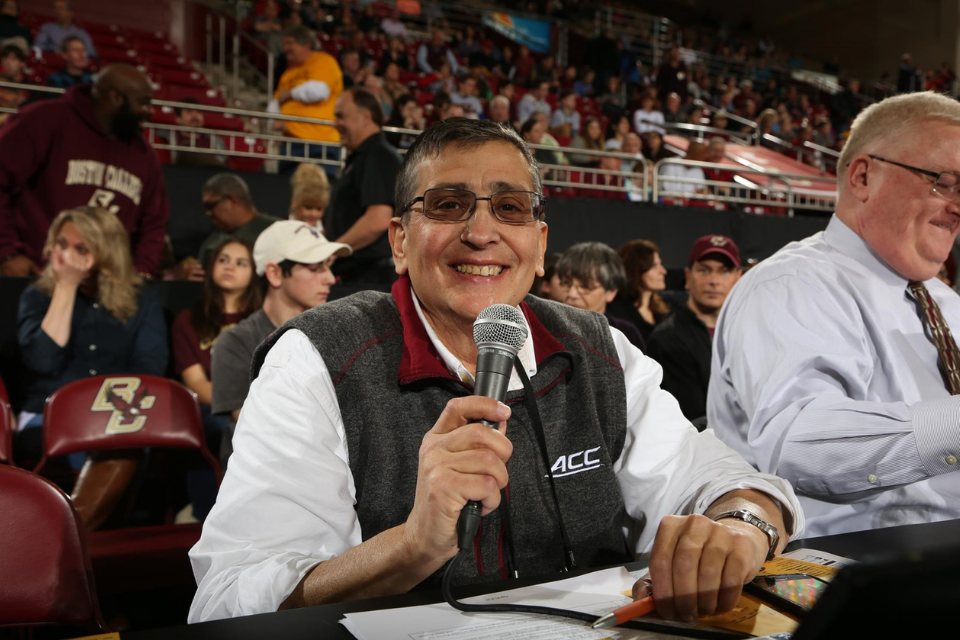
499	332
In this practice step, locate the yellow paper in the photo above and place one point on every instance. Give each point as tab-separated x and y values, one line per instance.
101	636
752	616
787	566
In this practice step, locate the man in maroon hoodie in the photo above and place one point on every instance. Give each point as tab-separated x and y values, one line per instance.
84	148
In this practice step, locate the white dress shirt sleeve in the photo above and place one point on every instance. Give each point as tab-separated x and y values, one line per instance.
287	501
814	419
667	467
310	92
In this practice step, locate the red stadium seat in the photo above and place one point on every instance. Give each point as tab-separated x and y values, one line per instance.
7	422
130	412
47	579
175	93
245	145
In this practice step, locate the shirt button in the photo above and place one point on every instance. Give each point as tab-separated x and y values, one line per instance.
93	347
93	372
873	479
96	305
951	459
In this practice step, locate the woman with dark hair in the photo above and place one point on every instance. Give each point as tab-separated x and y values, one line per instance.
639	300
617	130
653	149
230	294
590	137
406	114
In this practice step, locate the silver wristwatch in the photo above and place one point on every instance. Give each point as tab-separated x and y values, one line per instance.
766	527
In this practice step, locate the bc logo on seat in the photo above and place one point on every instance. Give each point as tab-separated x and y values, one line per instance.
126	402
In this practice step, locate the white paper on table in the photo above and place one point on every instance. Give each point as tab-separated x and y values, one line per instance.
597	593
819	557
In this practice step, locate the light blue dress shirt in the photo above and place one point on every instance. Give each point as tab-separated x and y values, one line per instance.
824	374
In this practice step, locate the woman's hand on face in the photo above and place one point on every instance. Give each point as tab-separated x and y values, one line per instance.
70	267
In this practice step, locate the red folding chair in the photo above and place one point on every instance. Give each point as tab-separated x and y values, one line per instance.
130	412
47	577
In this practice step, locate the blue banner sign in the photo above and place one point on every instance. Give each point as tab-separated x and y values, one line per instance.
533	33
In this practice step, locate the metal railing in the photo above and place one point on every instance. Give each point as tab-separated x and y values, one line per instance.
774	190
778	189
815	155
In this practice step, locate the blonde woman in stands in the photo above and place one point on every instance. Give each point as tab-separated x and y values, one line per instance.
639	300
311	195
87	315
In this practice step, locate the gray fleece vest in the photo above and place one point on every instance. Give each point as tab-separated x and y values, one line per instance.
582	407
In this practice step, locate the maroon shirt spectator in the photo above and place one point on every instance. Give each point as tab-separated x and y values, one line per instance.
85	148
188	348
524	64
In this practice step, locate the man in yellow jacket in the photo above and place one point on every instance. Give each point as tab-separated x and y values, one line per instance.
309	88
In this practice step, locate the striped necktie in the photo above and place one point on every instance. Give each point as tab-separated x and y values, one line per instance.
946	347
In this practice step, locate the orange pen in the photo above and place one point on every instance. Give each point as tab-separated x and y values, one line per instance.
627	612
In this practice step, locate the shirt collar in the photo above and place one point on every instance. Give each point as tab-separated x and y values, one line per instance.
425	356
845	240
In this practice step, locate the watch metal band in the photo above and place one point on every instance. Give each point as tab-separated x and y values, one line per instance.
763	525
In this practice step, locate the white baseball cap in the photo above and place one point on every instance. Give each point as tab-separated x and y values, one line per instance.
294	240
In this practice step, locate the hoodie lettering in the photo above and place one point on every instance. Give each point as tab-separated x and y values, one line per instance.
98	174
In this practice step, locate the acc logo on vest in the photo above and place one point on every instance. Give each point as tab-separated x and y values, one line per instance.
576	463
126	402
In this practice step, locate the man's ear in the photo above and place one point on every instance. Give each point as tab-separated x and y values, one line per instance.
397	234
858	177
610	294
543	248
274	275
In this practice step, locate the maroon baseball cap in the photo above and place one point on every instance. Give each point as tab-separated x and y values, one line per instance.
711	244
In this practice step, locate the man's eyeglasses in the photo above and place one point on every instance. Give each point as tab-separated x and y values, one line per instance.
210	205
581	287
457	205
945	183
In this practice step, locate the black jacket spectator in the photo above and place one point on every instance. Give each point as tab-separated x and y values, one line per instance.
10	26
602	56
682	345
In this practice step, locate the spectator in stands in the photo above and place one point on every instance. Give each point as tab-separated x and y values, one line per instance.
506	68
407	114
86	146
692	177
309	87
443	80
524	64
13	63
602	56
368	20
647	118
484	58
653	148
293	259
720	121
193	118
633	145
358	42
603	180
565	121
311	195
314	16
613	102
673	112
845	105
391	83
617	129
672	76
590	138
362	201
354	73
468	45
499	110
230	294
639	300
823	135
584	87
591	274
466	97
450	110
76	61
682	343
507	89
52	34
533	131
10	27
228	205
535	100
9	98
717	153
432	54
396	54
374	85
545	71
88	314
267	27
393	26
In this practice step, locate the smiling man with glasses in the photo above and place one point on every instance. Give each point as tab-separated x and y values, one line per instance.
360	441
834	364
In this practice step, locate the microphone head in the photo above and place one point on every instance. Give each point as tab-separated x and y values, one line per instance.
502	326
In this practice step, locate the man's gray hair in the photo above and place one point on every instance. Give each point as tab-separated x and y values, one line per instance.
301	35
717	141
504	100
894	120
591	262
462	132
226	185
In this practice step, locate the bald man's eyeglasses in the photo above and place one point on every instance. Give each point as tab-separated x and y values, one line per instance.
945	183
457	205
